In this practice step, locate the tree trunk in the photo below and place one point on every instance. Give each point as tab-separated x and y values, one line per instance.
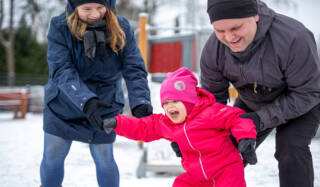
10	64
8	45
10	49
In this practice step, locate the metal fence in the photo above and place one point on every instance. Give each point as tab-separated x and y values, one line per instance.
24	79
202	35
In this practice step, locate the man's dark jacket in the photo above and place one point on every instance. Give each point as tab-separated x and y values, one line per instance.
278	75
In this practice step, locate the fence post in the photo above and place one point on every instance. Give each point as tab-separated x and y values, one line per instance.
142	38
142	43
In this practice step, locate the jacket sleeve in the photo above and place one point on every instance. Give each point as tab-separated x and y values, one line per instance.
146	129
302	75
62	70
227	117
133	71
211	78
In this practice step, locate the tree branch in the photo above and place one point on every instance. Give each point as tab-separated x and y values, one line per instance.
2	40
11	31
1	18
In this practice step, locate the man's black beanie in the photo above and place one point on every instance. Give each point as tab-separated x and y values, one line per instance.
228	9
76	3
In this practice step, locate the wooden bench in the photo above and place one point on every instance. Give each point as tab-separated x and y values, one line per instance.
17	99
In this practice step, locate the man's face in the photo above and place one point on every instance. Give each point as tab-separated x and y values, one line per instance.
175	110
237	33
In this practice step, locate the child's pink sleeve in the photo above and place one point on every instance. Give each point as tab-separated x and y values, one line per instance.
243	128
240	127
145	129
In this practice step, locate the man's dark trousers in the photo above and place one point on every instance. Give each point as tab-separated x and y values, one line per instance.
292	147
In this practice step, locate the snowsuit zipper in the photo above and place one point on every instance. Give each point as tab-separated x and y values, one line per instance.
185	132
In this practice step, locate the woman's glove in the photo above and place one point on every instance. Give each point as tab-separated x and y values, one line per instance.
91	109
142	110
109	124
255	118
246	148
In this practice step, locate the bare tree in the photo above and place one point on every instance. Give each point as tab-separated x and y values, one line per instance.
150	7
41	18
8	43
129	10
191	13
32	8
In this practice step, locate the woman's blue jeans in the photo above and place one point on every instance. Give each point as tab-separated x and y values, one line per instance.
55	151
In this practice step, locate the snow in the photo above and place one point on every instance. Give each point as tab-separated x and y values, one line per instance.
21	145
306	12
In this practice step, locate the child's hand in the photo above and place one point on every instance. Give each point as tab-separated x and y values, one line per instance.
246	148
109	124
176	149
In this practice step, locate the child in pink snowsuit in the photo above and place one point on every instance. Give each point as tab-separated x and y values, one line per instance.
201	127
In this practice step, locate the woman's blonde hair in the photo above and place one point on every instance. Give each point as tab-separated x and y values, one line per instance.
117	36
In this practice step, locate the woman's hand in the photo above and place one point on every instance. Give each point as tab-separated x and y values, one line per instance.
142	110
91	109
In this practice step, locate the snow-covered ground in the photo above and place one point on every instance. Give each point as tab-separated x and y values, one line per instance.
21	145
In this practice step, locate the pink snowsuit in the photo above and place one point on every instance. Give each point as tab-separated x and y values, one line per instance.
209	156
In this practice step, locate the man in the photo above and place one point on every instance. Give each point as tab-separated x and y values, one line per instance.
273	63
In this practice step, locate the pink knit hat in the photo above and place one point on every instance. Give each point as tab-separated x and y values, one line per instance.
179	85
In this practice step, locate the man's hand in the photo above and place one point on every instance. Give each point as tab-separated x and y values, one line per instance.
256	119
246	148
109	124
142	110
91	109
176	149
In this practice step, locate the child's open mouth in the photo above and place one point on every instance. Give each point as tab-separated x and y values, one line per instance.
173	113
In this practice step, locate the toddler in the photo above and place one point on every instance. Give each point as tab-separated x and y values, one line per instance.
201	128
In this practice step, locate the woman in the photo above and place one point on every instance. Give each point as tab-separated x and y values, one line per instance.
90	49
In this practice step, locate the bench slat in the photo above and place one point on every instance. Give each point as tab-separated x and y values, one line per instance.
10	102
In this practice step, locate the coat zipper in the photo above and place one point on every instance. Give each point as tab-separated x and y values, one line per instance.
241	72
185	132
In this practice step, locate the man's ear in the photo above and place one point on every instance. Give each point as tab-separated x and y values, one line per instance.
256	18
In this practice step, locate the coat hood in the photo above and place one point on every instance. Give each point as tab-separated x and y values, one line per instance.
110	4
266	17
205	99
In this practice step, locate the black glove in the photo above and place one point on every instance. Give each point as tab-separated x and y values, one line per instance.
142	110
91	109
176	149
109	124
246	148
256	119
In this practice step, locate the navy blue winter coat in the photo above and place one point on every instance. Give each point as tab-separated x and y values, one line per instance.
72	83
